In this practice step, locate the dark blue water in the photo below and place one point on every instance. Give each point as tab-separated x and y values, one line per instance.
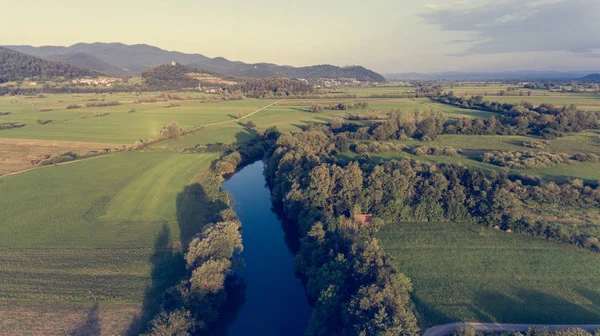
275	302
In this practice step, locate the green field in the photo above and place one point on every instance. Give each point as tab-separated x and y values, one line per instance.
119	126
463	272
92	231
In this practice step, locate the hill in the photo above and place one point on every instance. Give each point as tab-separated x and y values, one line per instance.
593	78
88	61
182	76
18	66
136	58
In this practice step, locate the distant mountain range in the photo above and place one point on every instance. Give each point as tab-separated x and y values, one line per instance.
15	66
130	60
483	76
593	78
88	61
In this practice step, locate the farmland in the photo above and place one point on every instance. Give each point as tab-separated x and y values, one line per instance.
462	272
97	249
121	125
100	251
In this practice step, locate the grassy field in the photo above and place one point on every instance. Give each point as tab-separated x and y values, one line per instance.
120	125
91	235
462	272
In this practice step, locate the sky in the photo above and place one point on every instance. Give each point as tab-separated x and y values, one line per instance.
388	36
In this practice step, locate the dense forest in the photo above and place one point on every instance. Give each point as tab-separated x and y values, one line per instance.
348	276
15	66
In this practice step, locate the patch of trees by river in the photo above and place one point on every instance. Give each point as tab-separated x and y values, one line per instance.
195	303
348	276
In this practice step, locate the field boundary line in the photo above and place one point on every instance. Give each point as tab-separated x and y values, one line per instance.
446	329
54	165
194	129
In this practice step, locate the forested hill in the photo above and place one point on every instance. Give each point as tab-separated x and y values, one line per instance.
136	58
90	62
18	66
182	76
593	78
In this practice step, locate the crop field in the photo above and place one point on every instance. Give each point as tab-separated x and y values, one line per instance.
91	238
462	272
119	125
285	118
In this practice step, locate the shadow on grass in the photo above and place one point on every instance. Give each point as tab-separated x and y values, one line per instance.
196	208
245	135
532	306
428	315
90	326
168	267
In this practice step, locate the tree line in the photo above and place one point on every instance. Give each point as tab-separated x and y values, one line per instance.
523	118
546	121
270	87
193	306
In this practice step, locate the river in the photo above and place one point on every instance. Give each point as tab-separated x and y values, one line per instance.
275	301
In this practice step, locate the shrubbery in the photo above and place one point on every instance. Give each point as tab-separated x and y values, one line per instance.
60	158
437	151
103	104
5	126
533	160
377	147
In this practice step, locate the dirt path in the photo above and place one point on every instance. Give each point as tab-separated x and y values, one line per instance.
192	130
56	164
446	329
236	120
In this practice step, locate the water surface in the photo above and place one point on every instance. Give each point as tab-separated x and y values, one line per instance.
275	302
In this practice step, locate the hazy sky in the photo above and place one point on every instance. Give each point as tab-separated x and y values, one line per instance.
385	35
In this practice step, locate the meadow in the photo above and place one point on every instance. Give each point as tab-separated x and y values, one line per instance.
463	272
91	236
120	125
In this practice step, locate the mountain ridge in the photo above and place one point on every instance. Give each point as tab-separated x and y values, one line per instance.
137	57
499	75
88	61
15	65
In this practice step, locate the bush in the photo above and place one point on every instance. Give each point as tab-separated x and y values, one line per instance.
73	106
175	323
437	151
172	130
532	160
316	109
65	157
